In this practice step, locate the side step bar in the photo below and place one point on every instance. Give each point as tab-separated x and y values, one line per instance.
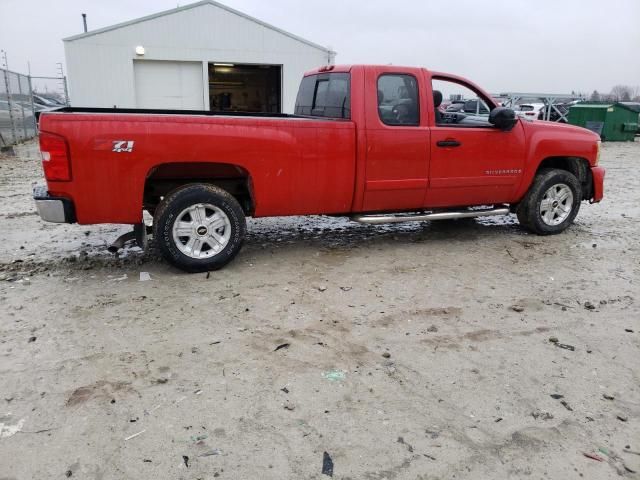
398	218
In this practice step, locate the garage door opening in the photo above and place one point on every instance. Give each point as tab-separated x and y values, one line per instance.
245	88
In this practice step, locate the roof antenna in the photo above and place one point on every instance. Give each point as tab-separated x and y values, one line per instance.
84	21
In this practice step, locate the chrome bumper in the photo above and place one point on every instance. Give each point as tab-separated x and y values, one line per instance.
53	209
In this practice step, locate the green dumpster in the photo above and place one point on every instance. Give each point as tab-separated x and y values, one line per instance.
614	122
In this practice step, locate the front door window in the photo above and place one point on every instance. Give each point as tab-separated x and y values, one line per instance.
457	105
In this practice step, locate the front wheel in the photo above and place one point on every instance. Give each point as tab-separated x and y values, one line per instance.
199	227
552	202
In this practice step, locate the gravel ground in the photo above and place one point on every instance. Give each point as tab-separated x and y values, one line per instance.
405	352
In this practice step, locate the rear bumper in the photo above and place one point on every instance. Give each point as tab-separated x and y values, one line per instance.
53	209
598	183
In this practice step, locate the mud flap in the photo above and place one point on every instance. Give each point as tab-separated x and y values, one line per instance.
141	233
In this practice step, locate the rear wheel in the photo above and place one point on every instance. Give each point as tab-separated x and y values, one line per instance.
199	227
552	202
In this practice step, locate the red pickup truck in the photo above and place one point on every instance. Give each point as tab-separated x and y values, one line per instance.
369	142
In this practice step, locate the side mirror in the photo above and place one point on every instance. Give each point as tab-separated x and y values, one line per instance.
503	118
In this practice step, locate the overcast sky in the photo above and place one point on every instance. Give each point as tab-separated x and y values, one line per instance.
550	46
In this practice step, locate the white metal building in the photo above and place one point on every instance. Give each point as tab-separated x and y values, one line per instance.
199	56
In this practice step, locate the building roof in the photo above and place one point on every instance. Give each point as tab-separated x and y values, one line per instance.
187	7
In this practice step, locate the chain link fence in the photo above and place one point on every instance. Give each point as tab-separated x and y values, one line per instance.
21	97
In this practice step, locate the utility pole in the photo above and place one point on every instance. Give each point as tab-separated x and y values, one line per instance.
84	21
64	83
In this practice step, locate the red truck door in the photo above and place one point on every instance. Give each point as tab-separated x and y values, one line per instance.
472	162
397	139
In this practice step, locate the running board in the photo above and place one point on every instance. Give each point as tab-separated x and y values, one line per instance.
452	215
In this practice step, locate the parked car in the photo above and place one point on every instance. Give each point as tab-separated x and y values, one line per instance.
20	113
375	148
455	106
475	106
45	104
46	101
529	111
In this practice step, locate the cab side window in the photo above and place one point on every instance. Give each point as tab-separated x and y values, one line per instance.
398	100
325	95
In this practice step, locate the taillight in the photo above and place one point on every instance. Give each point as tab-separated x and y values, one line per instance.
55	157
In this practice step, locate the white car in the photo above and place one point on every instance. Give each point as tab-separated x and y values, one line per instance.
530	111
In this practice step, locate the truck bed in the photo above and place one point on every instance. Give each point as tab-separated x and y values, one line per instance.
299	165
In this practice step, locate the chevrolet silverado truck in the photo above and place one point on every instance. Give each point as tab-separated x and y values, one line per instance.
365	141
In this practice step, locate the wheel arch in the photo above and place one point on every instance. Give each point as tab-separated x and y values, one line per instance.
578	166
166	177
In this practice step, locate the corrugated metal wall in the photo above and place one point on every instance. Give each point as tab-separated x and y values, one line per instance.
100	66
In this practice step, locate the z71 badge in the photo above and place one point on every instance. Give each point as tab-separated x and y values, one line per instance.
120	146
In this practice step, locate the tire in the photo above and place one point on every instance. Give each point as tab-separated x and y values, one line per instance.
199	227
561	193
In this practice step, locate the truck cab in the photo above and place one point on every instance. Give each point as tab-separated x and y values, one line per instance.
412	155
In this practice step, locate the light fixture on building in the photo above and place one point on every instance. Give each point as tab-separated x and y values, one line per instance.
139	50
223	65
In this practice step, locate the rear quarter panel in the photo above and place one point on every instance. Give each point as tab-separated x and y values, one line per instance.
297	166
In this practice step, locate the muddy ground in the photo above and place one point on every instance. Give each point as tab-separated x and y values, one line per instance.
403	352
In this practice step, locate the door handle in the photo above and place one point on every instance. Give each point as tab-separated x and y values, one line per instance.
448	143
